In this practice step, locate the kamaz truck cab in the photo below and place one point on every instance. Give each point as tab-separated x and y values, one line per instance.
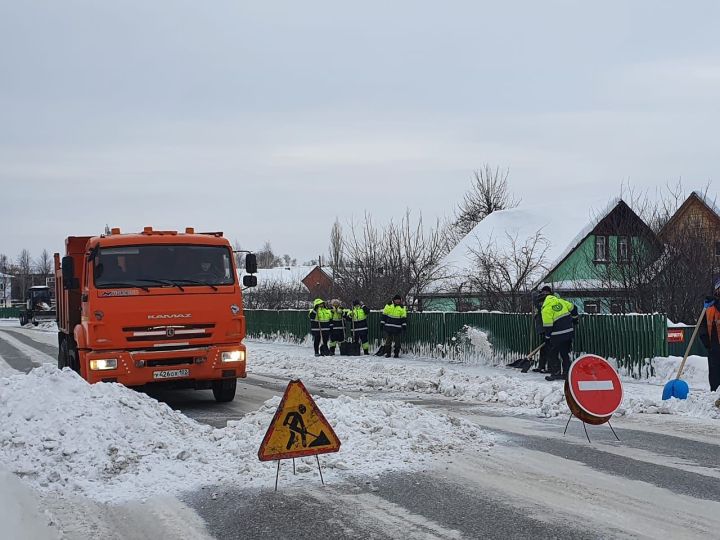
153	308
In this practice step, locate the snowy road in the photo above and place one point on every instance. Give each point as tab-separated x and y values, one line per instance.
662	479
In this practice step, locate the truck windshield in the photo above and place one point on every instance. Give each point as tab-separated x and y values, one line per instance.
162	266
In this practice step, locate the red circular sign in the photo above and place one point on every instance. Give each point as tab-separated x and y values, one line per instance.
595	385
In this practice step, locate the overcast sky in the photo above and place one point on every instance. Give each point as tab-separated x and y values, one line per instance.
268	119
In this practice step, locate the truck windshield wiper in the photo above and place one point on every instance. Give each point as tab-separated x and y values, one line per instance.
162	282
118	285
195	282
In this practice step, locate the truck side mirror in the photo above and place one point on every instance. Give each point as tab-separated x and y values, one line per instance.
249	281
68	273
251	264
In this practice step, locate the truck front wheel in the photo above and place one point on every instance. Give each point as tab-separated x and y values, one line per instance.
224	390
63	360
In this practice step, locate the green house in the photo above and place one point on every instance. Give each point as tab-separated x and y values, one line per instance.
607	262
590	257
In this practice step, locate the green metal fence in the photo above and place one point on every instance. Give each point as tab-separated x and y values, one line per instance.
9	313
632	340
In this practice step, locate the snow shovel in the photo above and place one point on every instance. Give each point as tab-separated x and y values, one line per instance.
678	388
349	347
527	362
520	362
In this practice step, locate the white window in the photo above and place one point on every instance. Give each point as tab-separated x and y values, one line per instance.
591	306
623	249
601	248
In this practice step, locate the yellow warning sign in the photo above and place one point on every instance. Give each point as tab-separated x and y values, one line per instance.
298	428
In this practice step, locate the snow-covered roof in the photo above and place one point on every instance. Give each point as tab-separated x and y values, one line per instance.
562	226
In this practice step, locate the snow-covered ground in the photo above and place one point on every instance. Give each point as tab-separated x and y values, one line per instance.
110	443
504	388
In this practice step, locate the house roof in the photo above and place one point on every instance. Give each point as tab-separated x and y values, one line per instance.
558	225
563	228
694	197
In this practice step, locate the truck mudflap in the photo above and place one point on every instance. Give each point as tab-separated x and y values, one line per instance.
190	368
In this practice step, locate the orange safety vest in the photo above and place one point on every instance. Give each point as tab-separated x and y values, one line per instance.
712	316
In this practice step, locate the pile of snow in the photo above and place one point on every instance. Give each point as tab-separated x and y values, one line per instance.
21	511
695	372
46	326
110	443
697	404
502	388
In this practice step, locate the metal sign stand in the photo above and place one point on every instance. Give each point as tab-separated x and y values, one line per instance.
585	428
277	472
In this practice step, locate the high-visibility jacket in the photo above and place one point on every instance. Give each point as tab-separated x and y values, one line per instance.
358	316
558	316
709	330
322	317
337	316
394	319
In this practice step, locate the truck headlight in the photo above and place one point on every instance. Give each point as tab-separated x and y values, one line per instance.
103	364
233	356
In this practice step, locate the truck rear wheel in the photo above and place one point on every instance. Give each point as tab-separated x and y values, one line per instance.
224	390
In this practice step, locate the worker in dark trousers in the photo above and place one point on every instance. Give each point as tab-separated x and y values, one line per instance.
394	325
559	318
337	324
320	320
540	330
709	333
358	323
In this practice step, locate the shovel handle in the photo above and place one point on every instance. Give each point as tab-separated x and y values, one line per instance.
692	340
532	353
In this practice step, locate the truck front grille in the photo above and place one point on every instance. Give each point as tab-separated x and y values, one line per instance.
168	332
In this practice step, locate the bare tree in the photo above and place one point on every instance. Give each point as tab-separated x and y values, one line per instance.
488	193
24	271
266	258
336	245
506	270
374	263
43	266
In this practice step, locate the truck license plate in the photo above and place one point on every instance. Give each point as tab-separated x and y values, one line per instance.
171	373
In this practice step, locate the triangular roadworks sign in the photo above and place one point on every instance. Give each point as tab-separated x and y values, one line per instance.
298	428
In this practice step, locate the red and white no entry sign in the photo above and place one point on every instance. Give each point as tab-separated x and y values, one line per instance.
595	386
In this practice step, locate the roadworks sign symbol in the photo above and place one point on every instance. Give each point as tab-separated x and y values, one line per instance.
298	428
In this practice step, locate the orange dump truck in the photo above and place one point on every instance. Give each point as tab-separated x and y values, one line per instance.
153	308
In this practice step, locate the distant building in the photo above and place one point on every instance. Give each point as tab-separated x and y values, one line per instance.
288	287
5	290
695	213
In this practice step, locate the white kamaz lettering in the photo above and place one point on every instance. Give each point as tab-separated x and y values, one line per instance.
171	316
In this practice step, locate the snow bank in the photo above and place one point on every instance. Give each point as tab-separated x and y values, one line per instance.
698	405
48	326
21	513
503	388
695	372
111	443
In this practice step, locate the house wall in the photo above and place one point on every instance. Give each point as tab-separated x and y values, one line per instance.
317	282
